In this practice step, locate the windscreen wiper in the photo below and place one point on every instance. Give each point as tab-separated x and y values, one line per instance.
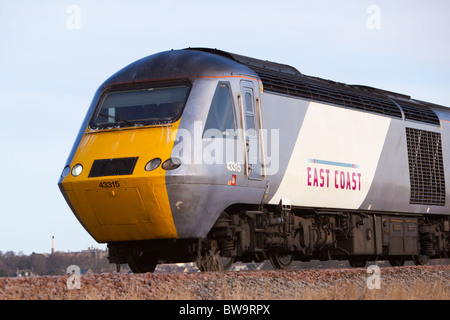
116	119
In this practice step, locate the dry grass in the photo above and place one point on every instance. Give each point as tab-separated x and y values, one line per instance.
407	283
395	291
419	291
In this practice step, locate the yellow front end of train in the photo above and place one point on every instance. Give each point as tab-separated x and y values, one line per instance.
115	182
125	207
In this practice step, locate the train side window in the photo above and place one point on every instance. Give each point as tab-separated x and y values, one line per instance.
221	113
249	114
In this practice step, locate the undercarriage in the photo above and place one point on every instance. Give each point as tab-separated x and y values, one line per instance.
283	234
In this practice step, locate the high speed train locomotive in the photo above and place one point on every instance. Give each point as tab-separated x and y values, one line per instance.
200	155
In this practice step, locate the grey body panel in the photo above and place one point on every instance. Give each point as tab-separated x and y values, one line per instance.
203	188
286	116
390	189
444	116
196	207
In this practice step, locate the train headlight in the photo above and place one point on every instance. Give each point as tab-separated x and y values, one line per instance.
65	171
77	169
152	164
171	163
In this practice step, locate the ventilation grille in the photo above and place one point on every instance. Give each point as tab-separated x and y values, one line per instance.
426	167
419	113
326	91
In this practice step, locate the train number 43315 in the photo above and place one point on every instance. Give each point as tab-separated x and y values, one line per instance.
109	184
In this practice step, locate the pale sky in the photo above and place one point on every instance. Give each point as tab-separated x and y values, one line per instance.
55	54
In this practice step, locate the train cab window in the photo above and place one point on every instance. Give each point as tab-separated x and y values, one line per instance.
221	113
145	106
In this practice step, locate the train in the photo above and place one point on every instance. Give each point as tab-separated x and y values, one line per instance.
206	156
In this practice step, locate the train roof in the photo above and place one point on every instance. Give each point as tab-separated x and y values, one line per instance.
176	64
277	78
287	80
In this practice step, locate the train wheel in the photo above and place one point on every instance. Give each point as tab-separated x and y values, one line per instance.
420	260
212	264
396	261
213	261
357	262
140	267
281	261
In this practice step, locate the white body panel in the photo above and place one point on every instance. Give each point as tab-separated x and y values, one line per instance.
333	170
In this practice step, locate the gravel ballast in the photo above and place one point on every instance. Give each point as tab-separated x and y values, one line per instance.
412	282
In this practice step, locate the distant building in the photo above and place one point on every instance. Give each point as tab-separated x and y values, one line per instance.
93	252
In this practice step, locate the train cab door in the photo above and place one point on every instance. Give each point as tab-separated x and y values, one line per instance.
251	123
